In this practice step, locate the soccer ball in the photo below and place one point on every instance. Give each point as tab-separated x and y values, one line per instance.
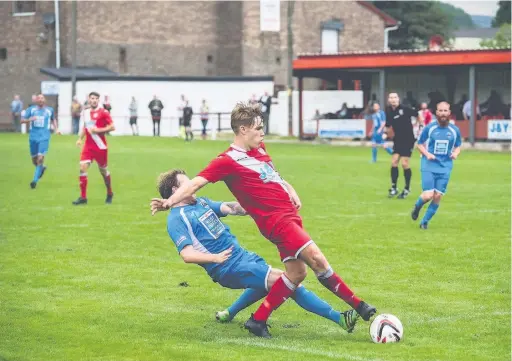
386	328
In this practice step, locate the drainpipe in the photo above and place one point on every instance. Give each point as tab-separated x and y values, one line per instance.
57	35
386	34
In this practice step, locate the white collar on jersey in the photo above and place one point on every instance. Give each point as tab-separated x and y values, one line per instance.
236	147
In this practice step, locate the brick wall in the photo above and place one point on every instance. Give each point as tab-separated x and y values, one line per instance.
174	38
363	30
25	54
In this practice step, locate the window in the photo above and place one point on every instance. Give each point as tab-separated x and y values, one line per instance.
209	59
3	53
122	59
330	36
329	41
22	8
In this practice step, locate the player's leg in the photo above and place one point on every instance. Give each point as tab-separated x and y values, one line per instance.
441	184
387	148
44	146
40	148
395	158
101	158
404	159
136	126
282	289
374	152
154	127
85	162
316	260
428	186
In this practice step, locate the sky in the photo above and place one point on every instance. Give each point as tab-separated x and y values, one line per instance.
476	7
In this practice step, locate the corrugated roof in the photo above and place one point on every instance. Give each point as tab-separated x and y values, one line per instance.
380	52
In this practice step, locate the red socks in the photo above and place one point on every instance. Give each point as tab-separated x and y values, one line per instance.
335	284
106	178
280	291
83	185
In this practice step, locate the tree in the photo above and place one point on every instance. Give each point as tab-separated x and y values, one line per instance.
502	15
500	40
459	18
420	20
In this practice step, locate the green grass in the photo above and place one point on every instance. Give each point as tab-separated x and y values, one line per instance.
102	282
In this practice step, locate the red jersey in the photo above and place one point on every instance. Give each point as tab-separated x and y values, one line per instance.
255	183
98	118
427	116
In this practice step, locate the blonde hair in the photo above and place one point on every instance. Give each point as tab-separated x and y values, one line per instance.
245	114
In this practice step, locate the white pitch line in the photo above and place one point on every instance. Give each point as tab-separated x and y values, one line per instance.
295	349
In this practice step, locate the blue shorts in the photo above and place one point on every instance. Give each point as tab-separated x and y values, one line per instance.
377	138
250	271
431	181
39	147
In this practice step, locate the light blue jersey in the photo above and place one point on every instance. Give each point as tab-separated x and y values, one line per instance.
198	225
439	141
378	118
40	127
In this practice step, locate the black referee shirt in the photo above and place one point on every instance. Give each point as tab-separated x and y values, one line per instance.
400	120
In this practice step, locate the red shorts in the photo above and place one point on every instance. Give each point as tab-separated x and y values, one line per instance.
99	155
290	237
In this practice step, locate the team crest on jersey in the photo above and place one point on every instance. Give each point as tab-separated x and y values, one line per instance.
268	174
401	112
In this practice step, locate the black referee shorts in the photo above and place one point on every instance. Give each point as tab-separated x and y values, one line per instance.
403	148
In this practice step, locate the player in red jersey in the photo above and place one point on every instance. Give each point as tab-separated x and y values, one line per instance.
247	170
97	122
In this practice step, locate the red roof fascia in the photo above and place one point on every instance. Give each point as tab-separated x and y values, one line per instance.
388	20
391	60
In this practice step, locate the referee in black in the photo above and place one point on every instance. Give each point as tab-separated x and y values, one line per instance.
399	117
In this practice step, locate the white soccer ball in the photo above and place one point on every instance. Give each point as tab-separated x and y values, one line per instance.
386	328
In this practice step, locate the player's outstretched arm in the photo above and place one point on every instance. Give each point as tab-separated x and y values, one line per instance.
232	209
190	255
185	191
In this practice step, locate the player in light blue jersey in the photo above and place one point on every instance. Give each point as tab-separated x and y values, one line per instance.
379	123
40	117
439	144
201	238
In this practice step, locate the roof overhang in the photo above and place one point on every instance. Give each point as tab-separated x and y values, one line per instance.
396	59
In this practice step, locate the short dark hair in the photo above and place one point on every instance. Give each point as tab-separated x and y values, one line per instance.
245	114
96	94
167	181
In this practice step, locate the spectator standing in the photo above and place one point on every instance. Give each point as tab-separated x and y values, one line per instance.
467	110
16	108
424	115
76	110
266	102
106	104
133	116
183	104
187	121
205	110
156	106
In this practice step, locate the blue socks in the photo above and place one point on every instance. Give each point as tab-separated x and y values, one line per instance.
304	298
37	172
248	297
312	303
389	150
431	210
374	154
419	203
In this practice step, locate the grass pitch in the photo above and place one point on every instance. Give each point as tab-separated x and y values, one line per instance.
102	282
